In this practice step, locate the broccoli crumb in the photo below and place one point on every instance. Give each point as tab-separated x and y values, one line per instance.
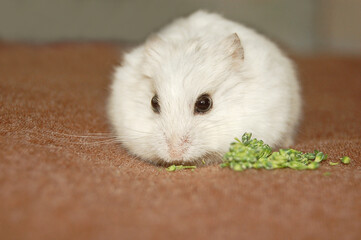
333	163
253	153
179	167
345	160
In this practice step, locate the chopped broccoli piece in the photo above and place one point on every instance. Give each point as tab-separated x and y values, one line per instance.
320	156
345	160
253	153
179	167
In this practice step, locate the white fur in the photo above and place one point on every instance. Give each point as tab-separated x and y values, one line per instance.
253	86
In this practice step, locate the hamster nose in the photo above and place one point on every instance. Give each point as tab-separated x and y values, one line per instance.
177	148
176	151
175	154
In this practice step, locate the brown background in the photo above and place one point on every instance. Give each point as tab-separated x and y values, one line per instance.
57	186
305	27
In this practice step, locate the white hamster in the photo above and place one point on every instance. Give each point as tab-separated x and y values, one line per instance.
189	90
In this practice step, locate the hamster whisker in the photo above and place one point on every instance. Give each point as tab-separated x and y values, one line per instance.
134	130
40	145
125	138
86	135
54	138
61	141
223	122
95	143
66	135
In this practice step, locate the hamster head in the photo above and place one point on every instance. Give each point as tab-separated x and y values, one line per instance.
175	101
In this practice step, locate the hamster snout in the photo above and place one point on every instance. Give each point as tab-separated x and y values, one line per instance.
177	147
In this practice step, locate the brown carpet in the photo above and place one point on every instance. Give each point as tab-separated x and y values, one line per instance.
58	186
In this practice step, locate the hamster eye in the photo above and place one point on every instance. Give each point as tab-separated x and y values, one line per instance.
203	104
155	104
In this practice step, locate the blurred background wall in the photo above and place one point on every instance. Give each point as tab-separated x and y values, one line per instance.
302	26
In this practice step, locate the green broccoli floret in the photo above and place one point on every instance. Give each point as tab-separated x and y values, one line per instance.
253	153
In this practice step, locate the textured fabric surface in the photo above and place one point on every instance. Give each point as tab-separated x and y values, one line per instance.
60	180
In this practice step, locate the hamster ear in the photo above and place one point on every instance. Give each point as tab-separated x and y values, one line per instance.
233	46
151	44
